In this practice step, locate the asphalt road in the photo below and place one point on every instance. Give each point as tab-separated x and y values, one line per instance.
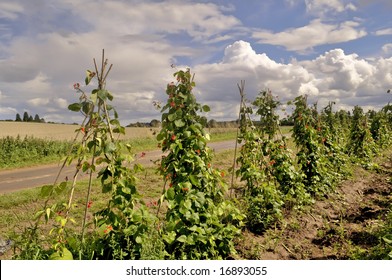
30	177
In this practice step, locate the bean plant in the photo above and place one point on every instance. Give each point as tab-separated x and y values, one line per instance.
200	223
120	226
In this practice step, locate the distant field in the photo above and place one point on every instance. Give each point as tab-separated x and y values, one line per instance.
66	132
58	131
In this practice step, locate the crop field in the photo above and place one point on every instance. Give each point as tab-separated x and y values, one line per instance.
63	132
66	132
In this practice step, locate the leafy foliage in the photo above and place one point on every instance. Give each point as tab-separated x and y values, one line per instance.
361	145
200	223
266	166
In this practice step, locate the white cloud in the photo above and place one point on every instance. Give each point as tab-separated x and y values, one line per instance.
387	31
218	80
333	76
10	10
337	71
315	34
387	48
200	21
324	7
8	111
38	101
61	102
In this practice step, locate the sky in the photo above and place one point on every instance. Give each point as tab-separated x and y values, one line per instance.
330	50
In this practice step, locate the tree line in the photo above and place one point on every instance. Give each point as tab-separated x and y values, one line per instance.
28	118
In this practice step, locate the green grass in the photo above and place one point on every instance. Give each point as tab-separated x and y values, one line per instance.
17	151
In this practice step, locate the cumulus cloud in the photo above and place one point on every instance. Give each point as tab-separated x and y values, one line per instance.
314	34
333	76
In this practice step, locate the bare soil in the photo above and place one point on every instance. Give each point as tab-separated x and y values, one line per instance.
336	227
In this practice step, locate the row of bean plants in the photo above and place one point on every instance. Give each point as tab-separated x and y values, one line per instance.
327	143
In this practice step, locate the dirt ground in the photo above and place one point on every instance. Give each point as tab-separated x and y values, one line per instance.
336	227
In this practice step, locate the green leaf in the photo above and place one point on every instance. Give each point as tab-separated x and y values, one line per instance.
170	193
87	107
139	240
110	148
107	188
194	180
103	94
110	95
160	136
137	217
46	190
169	237
61	188
115	122
75	107
64	255
206	108
89	76
182	238
48	212
387	239
187	134
187	185
38	215
94	96
179	123
85	166
171	117
119	130
188	204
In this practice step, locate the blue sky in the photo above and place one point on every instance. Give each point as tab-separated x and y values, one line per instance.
331	50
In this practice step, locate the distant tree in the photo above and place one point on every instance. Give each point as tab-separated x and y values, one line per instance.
288	121
212	123
18	118
30	119
37	118
25	117
155	123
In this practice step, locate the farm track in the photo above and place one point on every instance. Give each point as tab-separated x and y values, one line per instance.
24	178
